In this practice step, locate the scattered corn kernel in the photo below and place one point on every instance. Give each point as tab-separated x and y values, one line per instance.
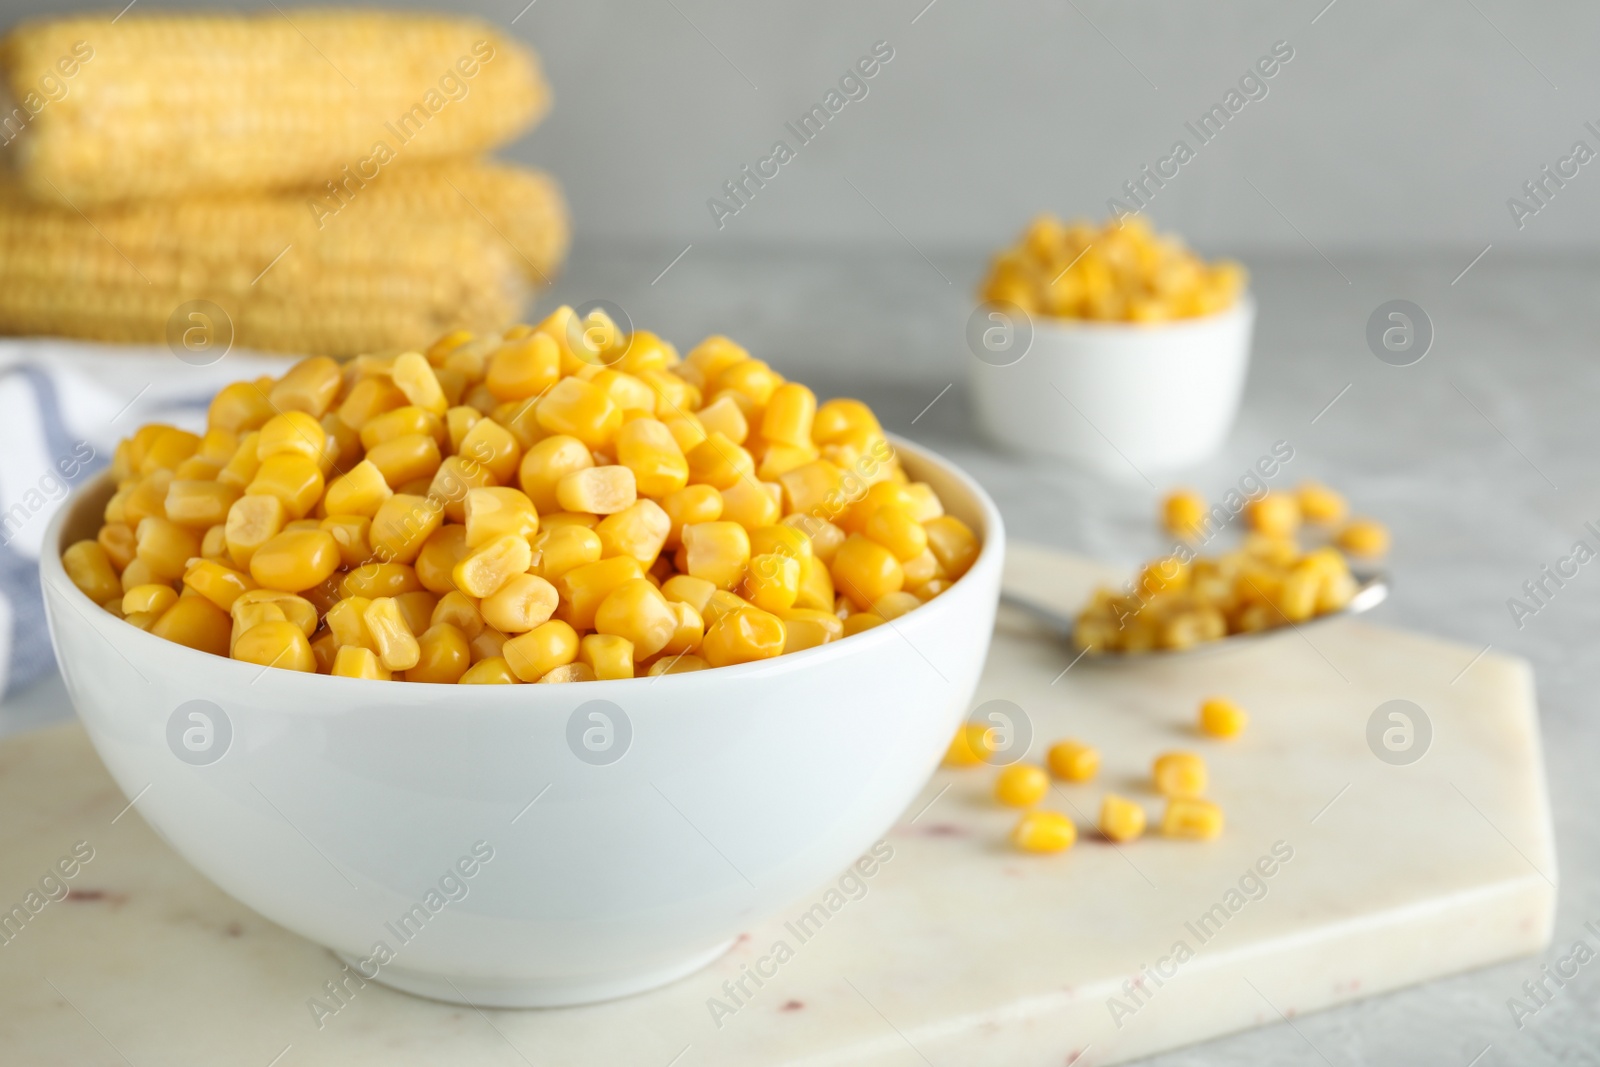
1021	785
1044	831
1220	717
1073	761
969	747
1364	537
1179	774
1192	818
1121	819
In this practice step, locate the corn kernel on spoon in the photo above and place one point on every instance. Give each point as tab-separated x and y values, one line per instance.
1372	589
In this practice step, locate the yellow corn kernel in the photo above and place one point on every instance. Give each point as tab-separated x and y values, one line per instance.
414	377
392	638
1276	515
639	530
645	352
460	611
496	512
1364	537
1021	785
584	588
214	544
492	670
673	394
921	569
637	611
891	606
167	448
576	408
275	643
292	434
402	525
1320	505
1192	818
1121	819
897	531
352	534
607	655
295	560
683	664
816	586
435	564
689	505
354	661
1220	717
296	609
455	478
1073	761
1182	512
488	567
689	632
720	603
487	644
743	636
367	399
523	368
416	607
717	551
458	421
544	648
1044	831
360	491
814	489
754	379
648	449
137	572
544	466
218	584
148	498
724	416
152	598
953	544
861	620
309	386
164	547
239	407
443	656
406	458
523	602
772	582
969	747
686	589
199	503
807	628
597	490
347	622
824	536
246	616
752	504
569	672
720	462
118	539
686	429
865	571
492	447
559	550
791	410
837	420
293	479
402	422
198	623
1179	774
89	568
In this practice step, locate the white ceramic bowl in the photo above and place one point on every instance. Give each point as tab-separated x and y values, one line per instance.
337	805
1120	398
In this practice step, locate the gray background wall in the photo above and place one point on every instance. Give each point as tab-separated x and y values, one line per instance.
1404	125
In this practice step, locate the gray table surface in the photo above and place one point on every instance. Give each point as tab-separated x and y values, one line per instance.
1481	458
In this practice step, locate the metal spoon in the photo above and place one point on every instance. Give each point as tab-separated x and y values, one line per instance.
1371	590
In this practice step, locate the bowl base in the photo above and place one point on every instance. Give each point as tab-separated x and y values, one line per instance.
539	993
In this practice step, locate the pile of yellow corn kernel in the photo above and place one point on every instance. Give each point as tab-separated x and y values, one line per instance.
1120	272
563	503
1180	777
1184	599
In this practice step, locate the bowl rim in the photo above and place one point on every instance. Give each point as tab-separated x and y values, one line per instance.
53	573
1244	307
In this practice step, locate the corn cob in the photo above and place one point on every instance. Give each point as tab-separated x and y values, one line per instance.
414	253
176	104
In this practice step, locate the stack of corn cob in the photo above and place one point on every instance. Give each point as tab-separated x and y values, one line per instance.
312	173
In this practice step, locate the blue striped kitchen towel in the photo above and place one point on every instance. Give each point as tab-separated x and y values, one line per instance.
64	405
